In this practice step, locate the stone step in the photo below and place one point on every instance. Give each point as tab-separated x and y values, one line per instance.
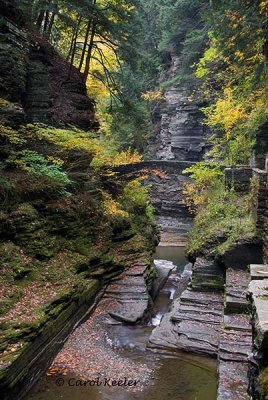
236	291
201	308
213	299
258	271
236	305
198	337
196	317
238	322
207	276
235	345
233	381
259	294
138	270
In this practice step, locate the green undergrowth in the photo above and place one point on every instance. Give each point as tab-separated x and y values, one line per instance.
222	216
263	383
64	222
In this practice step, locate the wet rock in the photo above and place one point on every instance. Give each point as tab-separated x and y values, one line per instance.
258	271
233	381
164	337
259	295
131	312
207	276
244	253
236	291
181	134
163	270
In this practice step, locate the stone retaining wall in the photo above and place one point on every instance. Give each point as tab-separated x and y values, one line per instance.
239	178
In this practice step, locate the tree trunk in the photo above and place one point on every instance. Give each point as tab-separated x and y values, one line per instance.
46	23
40	19
50	25
73	46
89	52
85	44
89	25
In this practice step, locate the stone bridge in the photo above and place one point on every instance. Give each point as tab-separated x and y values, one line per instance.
166	189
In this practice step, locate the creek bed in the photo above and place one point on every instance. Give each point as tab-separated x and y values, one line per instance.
184	377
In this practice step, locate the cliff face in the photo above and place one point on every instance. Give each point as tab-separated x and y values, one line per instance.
63	233
180	134
34	77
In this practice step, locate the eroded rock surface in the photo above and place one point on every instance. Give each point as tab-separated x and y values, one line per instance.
181	135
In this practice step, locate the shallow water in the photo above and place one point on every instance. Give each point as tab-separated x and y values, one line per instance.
185	377
172	253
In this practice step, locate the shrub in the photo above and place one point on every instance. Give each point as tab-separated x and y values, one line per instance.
36	164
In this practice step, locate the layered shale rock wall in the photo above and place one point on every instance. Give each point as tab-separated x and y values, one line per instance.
180	135
180	132
166	180
35	77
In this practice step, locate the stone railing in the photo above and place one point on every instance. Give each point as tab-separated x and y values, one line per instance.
173	166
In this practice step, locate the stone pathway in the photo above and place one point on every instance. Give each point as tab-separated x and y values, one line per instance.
258	289
193	325
235	345
201	323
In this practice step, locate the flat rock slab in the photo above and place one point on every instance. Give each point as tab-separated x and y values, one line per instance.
195	312
137	270
199	337
259	294
233	381
164	336
236	291
131	312
237	278
235	345
258	271
215	300
194	325
239	322
207	276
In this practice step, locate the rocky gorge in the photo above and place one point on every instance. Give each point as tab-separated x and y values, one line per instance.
78	282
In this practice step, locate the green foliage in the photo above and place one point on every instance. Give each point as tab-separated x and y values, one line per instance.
225	217
183	31
36	164
233	69
222	216
135	199
11	135
206	177
263	383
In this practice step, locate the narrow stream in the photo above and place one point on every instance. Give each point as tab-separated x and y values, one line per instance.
184	377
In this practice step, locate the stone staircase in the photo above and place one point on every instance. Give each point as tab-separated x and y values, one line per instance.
235	344
211	317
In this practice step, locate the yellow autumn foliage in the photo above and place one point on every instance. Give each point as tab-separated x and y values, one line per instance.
112	207
153	95
227	112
